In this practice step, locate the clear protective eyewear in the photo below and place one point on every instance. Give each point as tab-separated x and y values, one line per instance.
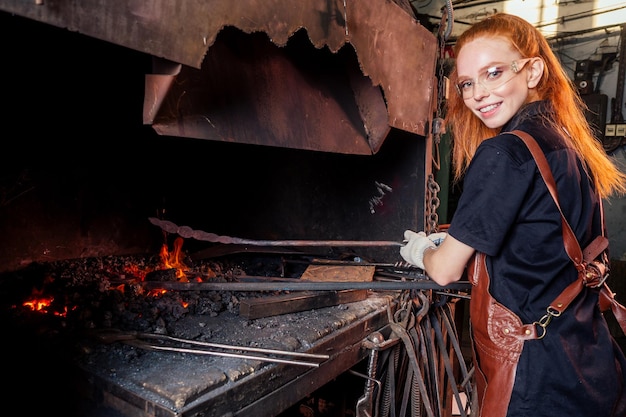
492	78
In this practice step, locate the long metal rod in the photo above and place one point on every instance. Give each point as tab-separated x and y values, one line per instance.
335	262
189	233
140	339
231	347
150	346
305	286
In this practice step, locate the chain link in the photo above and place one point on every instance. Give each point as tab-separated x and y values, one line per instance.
438	122
432	197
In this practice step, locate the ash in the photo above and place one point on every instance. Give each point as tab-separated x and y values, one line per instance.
80	296
108	292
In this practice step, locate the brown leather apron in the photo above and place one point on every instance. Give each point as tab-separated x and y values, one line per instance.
498	337
498	334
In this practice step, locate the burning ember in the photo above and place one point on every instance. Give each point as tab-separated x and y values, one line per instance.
74	298
58	311
107	276
49	309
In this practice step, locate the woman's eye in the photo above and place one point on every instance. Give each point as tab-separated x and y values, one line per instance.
465	85
493	73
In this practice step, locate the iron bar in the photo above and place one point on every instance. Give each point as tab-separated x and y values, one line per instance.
189	233
227	354
140	340
306	286
336	262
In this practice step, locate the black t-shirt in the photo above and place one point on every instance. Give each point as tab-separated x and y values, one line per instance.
506	212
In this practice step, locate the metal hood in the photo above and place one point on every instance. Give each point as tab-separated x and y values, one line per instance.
322	75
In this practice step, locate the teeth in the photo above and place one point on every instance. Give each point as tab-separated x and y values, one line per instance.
488	108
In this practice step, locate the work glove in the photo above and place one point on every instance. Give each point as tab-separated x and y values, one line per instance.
438	237
416	245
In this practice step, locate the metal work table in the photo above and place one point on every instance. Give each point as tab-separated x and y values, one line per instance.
142	383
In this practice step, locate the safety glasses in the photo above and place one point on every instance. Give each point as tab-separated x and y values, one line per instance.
492	78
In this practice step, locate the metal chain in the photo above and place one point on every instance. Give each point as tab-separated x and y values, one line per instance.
432	218
438	122
432	198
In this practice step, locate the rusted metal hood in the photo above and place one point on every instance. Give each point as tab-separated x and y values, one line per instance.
324	75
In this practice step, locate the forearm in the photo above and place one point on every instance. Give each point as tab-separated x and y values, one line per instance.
446	263
436	269
441	256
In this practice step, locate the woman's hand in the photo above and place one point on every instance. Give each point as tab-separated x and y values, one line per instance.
416	245
440	255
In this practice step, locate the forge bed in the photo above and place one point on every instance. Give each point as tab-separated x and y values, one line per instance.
141	383
64	358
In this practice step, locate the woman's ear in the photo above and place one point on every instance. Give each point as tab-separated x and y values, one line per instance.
535	72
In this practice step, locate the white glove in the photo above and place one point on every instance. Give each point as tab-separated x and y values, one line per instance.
417	243
438	237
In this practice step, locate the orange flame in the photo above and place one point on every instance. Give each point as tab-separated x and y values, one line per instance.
174	259
39	304
169	260
156	292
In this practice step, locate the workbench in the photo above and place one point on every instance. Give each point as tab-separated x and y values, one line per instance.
143	383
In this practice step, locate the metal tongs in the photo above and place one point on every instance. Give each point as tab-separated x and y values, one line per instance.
160	342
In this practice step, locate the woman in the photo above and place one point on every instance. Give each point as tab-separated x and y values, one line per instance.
508	78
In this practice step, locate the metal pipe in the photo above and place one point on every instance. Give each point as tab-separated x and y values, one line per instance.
305	286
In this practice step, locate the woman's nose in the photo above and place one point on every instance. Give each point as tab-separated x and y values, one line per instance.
479	91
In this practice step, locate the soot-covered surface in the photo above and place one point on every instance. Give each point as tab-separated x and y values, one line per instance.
68	355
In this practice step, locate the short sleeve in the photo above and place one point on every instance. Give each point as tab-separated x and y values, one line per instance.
494	189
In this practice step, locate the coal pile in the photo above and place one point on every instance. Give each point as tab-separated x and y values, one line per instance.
50	310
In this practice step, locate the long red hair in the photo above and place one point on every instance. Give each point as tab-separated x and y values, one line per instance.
555	86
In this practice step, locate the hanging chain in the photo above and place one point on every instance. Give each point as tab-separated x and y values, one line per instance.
432	188
438	122
432	218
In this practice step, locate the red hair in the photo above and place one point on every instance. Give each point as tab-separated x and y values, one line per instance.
555	86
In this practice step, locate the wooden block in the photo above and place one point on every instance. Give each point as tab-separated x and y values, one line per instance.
293	303
338	273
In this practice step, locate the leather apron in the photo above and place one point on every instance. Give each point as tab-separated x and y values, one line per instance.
498	334
498	337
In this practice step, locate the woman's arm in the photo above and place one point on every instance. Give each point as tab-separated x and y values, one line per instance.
446	263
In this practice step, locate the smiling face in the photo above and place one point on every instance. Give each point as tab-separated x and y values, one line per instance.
496	79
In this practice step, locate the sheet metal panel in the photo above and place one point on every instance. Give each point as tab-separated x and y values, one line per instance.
394	50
